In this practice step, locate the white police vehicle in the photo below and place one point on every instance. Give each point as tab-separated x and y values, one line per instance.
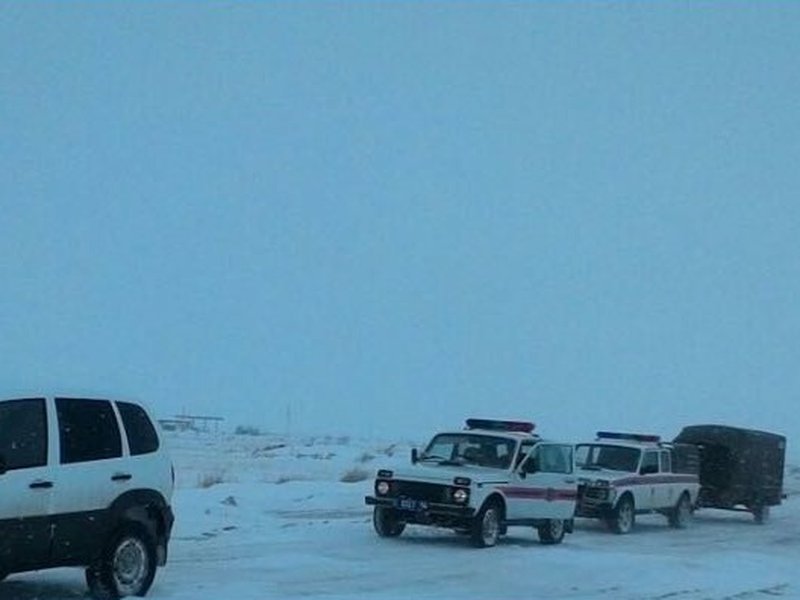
624	474
479	481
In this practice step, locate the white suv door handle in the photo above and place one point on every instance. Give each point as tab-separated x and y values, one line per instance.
121	477
569	480
41	485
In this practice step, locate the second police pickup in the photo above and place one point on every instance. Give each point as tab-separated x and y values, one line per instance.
478	482
622	475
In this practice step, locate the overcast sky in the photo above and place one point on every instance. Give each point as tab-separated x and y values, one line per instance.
386	217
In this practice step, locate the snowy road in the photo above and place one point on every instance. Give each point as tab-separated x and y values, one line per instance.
253	539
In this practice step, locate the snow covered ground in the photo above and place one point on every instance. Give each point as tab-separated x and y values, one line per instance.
269	517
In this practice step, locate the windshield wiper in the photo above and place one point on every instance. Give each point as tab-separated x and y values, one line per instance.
432	457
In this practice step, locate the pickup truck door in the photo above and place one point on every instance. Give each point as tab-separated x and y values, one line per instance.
544	485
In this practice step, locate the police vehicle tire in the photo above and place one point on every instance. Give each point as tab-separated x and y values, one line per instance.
127	566
552	532
681	513
386	522
486	526
624	516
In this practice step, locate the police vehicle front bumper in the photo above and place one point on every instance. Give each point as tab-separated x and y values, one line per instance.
423	512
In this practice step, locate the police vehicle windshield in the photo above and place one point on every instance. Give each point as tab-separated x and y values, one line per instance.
607	456
465	448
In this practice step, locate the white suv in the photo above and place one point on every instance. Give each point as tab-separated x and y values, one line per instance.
480	481
84	483
625	474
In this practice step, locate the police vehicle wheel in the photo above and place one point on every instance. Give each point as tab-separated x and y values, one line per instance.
486	526
386	522
624	516
681	514
552	532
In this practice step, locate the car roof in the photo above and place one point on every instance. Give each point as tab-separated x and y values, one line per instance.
510	435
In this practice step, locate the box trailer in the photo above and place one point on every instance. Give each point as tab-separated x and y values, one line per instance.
740	469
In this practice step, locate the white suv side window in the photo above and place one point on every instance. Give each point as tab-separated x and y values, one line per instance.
139	429
23	433
88	430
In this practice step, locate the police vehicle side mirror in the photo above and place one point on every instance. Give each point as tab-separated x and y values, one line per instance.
414	456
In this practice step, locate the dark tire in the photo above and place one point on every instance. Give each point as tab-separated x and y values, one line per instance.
761	513
386	522
552	532
487	525
127	566
624	517
681	514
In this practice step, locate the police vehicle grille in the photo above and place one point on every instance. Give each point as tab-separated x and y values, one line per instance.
592	495
420	490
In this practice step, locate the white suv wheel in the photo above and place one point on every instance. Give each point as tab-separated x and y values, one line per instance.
130	566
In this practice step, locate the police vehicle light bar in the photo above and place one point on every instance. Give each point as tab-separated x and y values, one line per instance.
634	437
495	425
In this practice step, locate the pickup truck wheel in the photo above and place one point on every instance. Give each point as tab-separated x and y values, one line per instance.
680	515
486	526
624	516
386	522
127	566
552	532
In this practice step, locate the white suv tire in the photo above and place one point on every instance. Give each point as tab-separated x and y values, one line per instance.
127	566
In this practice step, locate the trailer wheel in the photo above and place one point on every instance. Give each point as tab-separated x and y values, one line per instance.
761	513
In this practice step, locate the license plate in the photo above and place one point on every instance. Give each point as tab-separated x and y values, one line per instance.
411	504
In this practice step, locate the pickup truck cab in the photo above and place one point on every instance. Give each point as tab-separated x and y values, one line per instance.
479	481
622	475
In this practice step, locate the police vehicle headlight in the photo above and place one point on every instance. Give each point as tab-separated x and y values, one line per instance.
382	488
461	496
